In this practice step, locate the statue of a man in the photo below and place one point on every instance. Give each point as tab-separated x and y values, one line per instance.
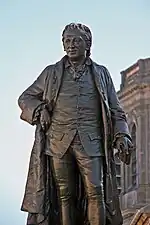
79	121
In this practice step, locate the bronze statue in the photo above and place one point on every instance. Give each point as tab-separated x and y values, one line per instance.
79	120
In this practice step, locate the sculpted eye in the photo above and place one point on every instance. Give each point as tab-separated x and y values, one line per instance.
77	40
67	41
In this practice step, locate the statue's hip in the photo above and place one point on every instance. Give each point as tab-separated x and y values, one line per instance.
60	140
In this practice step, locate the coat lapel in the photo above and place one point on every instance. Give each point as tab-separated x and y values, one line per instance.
57	79
99	81
53	83
101	86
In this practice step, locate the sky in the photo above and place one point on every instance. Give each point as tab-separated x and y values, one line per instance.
30	39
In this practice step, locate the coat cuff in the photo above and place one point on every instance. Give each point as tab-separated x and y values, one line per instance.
37	113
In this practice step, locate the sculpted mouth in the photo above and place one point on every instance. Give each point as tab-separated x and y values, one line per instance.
72	50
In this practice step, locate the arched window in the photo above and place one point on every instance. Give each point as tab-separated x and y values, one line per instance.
133	162
118	172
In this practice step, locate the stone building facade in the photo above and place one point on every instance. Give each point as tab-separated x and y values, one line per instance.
134	95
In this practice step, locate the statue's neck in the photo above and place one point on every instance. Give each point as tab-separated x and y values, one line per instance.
77	62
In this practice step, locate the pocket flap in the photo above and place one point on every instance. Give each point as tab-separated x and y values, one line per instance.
94	136
58	136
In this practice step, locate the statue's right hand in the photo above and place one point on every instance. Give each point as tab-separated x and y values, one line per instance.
45	119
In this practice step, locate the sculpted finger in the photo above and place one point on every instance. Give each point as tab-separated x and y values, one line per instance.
127	152
130	146
47	124
42	124
118	146
121	147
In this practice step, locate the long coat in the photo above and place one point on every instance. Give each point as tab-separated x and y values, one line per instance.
40	198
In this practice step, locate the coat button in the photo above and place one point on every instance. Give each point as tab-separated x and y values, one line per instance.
54	79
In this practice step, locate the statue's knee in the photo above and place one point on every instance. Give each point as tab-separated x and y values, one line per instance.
95	192
64	193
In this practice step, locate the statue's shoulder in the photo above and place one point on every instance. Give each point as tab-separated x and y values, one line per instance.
57	65
49	69
99	66
101	70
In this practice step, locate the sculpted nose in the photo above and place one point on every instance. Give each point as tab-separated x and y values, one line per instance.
71	43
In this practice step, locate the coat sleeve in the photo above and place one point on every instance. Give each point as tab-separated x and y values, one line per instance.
118	116
31	99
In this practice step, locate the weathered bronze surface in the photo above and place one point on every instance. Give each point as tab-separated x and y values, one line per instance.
79	120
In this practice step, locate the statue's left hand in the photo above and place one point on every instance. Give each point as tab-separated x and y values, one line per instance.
45	119
124	146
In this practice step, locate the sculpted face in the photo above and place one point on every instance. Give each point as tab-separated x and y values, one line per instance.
74	45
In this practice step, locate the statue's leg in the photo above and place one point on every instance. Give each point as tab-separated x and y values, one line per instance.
63	170
91	169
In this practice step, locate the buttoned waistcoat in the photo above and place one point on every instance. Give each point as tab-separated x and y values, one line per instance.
77	110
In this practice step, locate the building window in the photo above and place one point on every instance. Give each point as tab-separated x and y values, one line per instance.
133	161
118	172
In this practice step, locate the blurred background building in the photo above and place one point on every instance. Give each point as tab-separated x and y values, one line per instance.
134	180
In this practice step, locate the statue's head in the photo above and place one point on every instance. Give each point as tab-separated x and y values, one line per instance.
77	40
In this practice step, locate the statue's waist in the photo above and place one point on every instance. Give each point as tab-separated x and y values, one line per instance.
73	121
60	140
85	126
69	131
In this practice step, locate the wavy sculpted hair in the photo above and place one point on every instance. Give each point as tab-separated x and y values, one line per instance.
86	33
